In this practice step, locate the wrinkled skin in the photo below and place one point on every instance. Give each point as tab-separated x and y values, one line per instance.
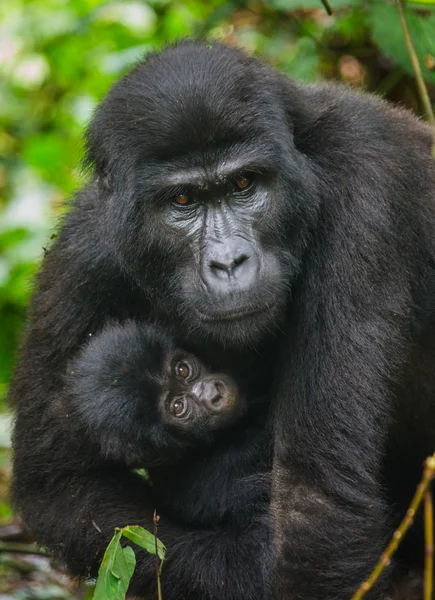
313	284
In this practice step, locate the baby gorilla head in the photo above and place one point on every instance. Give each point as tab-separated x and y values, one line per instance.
141	400
192	398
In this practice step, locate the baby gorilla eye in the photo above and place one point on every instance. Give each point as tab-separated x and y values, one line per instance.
183	369
178	407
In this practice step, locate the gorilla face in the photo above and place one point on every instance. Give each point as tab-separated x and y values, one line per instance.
226	270
206	189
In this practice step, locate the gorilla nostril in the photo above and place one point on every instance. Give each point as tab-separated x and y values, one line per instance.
218	395
241	259
219	268
216	400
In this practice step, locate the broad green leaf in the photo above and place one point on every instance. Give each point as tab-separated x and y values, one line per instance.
145	540
108	584
387	32
123	569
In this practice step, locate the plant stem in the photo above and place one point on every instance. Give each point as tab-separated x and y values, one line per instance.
399	534
428	545
156	519
424	94
19	548
328	7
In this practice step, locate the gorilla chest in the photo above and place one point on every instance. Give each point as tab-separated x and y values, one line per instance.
219	484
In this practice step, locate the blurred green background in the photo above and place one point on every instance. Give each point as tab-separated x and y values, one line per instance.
58	58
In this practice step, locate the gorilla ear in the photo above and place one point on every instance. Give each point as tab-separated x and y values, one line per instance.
95	158
96	164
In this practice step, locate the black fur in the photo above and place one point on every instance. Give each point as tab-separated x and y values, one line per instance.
316	286
123	388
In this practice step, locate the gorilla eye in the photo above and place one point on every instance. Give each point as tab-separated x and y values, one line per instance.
178	407
182	369
243	182
182	199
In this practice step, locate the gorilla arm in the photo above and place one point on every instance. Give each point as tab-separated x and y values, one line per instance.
68	496
349	334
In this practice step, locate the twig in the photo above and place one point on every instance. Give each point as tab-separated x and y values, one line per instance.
428	545
424	94
328	7
156	520
18	548
399	534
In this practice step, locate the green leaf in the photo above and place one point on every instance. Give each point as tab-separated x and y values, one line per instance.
123	569
145	540
45	151
108	583
116	569
388	34
11	237
303	62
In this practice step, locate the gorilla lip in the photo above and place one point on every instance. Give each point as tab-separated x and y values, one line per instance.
231	315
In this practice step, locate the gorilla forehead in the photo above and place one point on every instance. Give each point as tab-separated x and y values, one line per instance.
190	96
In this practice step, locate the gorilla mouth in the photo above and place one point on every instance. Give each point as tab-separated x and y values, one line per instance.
232	315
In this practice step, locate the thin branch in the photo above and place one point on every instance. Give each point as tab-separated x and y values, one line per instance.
328	7
18	548
424	94
428	545
156	520
399	534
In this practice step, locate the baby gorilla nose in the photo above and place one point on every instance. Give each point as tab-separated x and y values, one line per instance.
211	393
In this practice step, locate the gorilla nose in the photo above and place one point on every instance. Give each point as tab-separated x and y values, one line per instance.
227	268
232	263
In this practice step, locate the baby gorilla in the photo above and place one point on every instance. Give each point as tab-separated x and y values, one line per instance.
142	400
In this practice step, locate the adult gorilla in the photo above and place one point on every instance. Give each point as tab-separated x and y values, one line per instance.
288	234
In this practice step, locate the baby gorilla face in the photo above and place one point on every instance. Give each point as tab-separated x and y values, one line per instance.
193	398
143	400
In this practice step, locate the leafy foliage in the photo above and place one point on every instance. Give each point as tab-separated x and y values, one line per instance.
118	564
387	33
57	59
